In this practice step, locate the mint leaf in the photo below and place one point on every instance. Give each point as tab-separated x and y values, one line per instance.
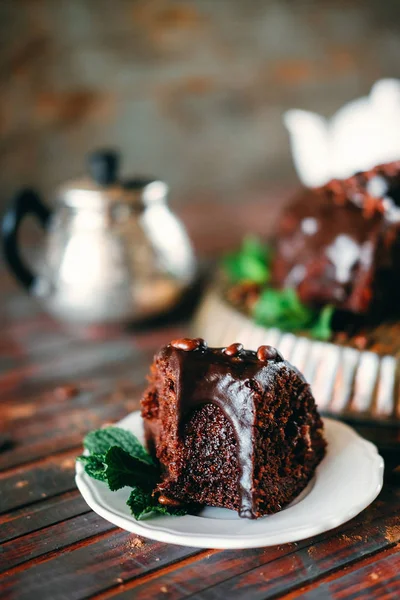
295	309
94	466
117	458
143	503
281	308
124	469
274	308
250	263
100	440
322	329
139	502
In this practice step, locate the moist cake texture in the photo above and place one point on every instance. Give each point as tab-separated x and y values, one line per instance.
230	427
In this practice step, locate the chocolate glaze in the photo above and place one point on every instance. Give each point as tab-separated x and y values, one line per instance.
209	375
340	244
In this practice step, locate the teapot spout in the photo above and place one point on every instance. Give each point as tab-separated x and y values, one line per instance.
309	142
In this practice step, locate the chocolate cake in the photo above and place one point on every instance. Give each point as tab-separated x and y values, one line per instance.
340	244
230	427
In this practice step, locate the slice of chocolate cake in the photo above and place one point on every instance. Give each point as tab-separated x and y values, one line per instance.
340	244
231	427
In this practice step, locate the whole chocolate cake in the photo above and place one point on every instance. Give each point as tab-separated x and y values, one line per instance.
340	244
231	427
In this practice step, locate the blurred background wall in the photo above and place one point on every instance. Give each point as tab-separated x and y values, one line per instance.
191	91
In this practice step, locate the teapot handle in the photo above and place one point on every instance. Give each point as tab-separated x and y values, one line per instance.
25	202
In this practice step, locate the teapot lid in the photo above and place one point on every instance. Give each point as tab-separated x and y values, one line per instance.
102	186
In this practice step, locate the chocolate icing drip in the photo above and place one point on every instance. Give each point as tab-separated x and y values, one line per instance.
340	244
229	382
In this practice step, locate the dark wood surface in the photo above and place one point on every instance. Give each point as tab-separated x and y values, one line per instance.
55	385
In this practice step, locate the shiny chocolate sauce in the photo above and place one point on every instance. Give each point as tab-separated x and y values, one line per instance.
227	377
339	244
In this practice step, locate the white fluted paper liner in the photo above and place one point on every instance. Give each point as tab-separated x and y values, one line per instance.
344	380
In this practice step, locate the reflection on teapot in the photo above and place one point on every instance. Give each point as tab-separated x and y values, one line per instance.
114	252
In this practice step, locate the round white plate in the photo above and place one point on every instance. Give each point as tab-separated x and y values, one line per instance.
348	479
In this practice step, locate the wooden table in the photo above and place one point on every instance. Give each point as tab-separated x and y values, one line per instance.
57	385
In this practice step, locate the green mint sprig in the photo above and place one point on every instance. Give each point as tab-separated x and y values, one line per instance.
116	457
280	308
250	263
283	309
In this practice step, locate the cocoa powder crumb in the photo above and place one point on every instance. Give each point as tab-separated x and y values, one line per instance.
393	533
136	543
351	538
21	484
312	550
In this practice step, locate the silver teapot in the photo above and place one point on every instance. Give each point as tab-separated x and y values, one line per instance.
114	252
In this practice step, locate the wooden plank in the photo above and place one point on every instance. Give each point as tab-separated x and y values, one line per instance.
265	573
46	425
91	567
29	484
51	539
44	397
47	512
294	570
17	308
33	339
26	387
57	431
377	580
75	362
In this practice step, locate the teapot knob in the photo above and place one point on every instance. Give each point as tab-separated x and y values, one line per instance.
103	166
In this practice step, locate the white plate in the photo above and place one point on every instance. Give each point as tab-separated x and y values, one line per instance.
348	479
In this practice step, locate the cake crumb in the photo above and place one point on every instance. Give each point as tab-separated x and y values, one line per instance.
21	484
164	589
136	543
374	576
393	533
119	580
